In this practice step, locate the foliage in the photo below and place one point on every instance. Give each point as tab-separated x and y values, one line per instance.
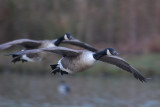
123	23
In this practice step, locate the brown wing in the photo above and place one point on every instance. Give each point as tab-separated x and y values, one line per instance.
80	44
58	50
63	51
121	63
27	43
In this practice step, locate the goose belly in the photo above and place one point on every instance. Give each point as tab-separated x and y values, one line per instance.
77	64
25	57
87	58
31	57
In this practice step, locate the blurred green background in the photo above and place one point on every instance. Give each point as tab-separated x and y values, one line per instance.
132	27
129	26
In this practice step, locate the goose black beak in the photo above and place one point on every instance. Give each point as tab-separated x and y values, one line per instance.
115	53
70	37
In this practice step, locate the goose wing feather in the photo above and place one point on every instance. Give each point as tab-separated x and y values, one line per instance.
58	50
121	63
24	42
80	44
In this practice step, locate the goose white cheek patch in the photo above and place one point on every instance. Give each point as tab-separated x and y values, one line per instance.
108	52
65	37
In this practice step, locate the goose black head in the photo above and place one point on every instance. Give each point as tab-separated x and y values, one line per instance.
107	51
68	36
111	51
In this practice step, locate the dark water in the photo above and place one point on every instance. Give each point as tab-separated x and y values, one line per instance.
41	91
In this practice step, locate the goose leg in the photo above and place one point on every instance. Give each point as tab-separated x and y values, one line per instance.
64	72
23	60
55	69
54	66
16	59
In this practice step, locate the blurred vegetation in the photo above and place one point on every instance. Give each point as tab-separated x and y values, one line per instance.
129	26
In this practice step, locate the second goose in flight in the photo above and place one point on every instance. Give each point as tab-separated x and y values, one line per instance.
34	44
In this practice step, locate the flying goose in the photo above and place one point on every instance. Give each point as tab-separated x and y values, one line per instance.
67	38
80	60
34	44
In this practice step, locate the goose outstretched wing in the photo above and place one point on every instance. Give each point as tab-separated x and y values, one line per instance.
80	44
121	63
27	43
58	50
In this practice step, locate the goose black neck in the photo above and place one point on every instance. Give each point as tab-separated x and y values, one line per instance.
98	55
59	40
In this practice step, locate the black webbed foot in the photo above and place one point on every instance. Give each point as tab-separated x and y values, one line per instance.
14	56
16	59
53	66
23	60
55	71
64	72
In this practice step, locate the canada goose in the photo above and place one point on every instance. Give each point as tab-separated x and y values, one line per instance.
80	60
33	44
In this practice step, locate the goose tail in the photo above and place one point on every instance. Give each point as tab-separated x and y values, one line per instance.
17	58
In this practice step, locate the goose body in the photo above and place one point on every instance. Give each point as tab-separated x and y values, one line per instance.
81	62
38	57
48	44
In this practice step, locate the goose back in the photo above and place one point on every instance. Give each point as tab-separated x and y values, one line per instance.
47	44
